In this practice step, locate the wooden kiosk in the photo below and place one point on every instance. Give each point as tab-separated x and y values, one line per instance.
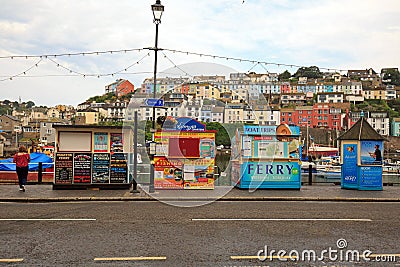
92	156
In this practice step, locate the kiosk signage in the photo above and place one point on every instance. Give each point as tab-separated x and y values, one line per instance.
119	168
63	168
82	167
101	168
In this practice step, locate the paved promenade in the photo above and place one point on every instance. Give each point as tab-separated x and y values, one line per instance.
328	192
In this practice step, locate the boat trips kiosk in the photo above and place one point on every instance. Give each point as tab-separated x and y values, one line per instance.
361	157
92	157
266	157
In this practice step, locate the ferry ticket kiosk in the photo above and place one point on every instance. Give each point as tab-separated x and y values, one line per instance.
266	157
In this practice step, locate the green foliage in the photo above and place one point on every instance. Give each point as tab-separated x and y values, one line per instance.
284	76
103	98
309	72
393	75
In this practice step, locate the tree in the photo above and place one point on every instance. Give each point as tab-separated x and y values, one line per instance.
29	104
391	76
284	76
309	72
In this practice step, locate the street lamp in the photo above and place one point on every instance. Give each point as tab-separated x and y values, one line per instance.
157	9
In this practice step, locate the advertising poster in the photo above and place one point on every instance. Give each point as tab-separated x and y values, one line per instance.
168	173
371	152
119	168
63	168
271	149
82	167
349	167
207	147
247	145
116	143
100	142
371	177
199	173
101	168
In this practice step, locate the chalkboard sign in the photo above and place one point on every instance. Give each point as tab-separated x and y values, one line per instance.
63	168
82	167
101	168
119	168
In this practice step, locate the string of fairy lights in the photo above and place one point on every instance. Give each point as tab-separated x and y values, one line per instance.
73	72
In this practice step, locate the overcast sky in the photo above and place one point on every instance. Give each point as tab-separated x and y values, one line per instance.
340	34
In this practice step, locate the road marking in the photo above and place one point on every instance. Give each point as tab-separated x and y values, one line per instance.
10	260
279	219
131	259
55	219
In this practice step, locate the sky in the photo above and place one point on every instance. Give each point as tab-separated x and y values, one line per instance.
331	34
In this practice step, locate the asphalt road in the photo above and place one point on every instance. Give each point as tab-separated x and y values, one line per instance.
220	234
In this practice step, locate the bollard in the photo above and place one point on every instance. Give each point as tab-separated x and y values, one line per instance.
309	171
40	172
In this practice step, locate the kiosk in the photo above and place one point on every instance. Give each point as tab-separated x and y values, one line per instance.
361	157
184	156
267	157
92	156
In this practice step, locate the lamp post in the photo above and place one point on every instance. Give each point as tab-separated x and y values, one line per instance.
157	9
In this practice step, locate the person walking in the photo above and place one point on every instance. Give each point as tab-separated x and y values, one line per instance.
21	160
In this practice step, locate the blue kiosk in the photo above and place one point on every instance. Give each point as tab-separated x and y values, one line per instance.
266	157
361	157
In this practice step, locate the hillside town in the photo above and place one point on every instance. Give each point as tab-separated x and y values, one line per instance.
308	98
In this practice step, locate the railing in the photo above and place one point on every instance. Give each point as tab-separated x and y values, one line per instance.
39	175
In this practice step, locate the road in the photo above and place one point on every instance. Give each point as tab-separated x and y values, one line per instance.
220	234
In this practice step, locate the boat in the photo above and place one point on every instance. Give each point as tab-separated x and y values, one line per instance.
330	171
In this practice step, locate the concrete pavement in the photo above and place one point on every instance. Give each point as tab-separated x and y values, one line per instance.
325	192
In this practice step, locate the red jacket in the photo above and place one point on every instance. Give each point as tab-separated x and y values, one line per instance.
22	159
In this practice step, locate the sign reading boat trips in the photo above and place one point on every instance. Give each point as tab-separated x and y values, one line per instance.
63	168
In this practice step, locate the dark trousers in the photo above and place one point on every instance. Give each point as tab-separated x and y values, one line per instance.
22	173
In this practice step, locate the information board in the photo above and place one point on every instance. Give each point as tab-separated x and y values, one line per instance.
63	168
82	167
101	168
370	177
119	168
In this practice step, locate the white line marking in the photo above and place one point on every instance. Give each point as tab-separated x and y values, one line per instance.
10	260
281	219
131	259
60	219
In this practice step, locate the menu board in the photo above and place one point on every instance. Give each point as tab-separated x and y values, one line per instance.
63	168
118	168
82	167
101	168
